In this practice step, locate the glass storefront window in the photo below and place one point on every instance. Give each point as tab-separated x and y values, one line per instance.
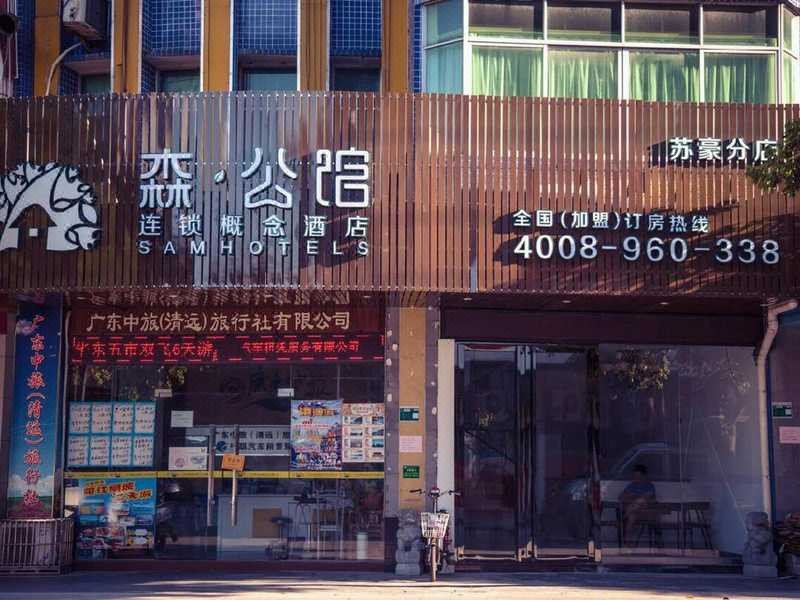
582	74
740	78
506	71
443	21
740	26
443	69
584	21
652	450
670	24
680	455
311	432
508	18
665	76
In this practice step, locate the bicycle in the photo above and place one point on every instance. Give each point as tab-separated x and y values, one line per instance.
434	530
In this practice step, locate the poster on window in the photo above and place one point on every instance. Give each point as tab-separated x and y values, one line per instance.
316	435
116	518
254	440
363	433
111	434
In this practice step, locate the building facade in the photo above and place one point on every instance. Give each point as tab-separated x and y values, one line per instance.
508	248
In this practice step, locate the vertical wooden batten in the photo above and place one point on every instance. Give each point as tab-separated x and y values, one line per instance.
313	44
395	36
216	47
46	43
126	46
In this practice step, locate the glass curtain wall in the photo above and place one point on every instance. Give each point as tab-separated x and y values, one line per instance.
581	50
679	451
646	450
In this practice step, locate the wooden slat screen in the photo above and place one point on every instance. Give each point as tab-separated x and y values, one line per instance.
446	174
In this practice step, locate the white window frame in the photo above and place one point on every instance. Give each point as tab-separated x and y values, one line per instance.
623	48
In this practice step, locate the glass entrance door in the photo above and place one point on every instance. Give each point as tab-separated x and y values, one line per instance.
523	450
563	397
491	458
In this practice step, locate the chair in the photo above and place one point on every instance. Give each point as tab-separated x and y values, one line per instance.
615	523
696	516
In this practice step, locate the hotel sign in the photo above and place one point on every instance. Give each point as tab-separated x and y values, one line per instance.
166	205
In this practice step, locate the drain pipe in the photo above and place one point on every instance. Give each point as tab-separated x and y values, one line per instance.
773	312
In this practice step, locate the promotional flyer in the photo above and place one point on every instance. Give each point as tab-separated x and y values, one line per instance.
116	518
316	432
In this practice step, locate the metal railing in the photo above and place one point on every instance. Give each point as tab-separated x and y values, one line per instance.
36	545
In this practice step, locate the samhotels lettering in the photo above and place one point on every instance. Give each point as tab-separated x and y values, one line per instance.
168	184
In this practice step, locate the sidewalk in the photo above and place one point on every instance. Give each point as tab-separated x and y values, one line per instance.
339	586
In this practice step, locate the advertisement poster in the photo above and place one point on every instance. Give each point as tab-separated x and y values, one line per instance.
34	424
254	440
116	518
363	433
187	458
316	435
117	434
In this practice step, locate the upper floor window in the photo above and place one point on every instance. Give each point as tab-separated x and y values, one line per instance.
444	51
99	83
584	21
270	80
443	21
179	81
348	79
662	24
506	18
740	26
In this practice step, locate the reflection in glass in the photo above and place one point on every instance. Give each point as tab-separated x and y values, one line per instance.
670	24
686	420
510	18
740	26
443	21
486	519
583	21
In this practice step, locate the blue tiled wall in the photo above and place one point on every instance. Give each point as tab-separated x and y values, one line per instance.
172	27
148	78
266	26
416	49
69	82
356	27
24	84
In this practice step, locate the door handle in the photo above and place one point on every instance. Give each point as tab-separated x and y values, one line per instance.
211	453
235	481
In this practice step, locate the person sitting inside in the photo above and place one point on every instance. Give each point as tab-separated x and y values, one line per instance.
636	501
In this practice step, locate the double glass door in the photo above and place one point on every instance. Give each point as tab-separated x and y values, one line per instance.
523	450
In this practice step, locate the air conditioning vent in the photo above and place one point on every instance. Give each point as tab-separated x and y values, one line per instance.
87	18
